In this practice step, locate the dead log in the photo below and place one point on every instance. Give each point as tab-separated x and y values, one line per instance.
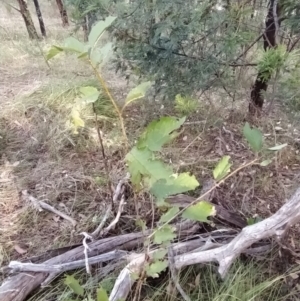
276	225
18	287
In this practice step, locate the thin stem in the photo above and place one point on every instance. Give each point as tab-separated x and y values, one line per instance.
103	155
104	86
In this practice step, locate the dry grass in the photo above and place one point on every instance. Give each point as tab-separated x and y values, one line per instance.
41	155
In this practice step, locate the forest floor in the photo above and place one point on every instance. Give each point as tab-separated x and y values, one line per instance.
39	154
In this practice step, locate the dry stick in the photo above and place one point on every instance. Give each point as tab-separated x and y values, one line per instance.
117	193
16	266
40	205
276	225
85	251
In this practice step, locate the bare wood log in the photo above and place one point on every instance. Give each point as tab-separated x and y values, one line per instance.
18	287
17	266
276	225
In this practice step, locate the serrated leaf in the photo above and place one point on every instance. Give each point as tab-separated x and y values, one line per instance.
199	212
164	234
137	92
98	29
102	55
154	269
173	185
74	285
265	162
54	50
160	132
222	168
169	214
101	295
278	147
89	94
254	137
73	45
160	254
141	164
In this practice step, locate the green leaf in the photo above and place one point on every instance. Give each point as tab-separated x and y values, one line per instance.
83	55
173	185
142	164
254	137
160	132
89	94
164	234
137	92
102	55
169	214
54	50
101	295
154	269
140	223
73	45
222	168
265	162
199	212
98	29
160	254
278	147
74	285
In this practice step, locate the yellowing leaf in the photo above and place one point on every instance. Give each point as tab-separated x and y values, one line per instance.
199	212
137	92
265	162
74	285
98	29
160	132
222	168
254	137
164	234
76	119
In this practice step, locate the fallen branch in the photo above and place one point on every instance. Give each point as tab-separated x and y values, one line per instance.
275	225
40	205
17	266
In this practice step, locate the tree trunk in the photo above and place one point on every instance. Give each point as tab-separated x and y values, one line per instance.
63	12
40	17
272	25
27	19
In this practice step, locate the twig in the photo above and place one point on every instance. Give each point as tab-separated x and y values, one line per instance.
40	205
117	193
85	250
114	222
174	275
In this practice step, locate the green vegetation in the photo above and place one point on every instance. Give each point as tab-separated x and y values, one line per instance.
158	90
